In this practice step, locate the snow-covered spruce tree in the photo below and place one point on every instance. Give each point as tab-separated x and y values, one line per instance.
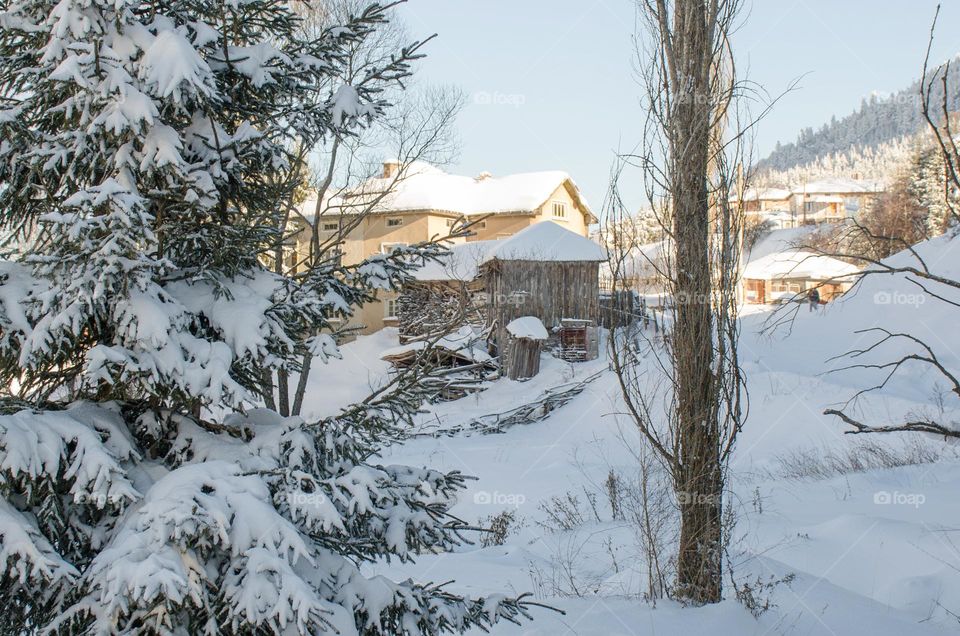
137	142
929	186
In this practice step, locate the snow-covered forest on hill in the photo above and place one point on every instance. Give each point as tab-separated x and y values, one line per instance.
269	367
877	127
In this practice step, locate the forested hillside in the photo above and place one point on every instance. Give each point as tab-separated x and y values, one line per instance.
878	121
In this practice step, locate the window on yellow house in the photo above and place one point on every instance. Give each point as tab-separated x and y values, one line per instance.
560	209
386	248
390	308
395	222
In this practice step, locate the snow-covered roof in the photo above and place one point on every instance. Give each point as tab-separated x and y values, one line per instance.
781	240
779	215
545	241
835	186
528	327
461	263
801	264
425	187
764	194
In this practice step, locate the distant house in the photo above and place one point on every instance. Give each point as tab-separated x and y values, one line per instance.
811	203
832	200
790	273
544	271
759	200
409	204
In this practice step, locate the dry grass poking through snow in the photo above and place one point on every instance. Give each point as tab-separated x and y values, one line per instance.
825	463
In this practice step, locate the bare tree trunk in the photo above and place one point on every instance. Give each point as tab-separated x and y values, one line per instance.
692	143
699	480
302	384
283	389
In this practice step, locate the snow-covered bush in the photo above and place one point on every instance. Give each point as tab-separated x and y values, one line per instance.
144	153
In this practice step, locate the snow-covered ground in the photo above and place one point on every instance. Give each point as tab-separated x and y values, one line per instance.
871	551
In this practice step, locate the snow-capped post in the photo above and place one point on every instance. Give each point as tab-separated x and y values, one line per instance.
144	147
522	350
690	162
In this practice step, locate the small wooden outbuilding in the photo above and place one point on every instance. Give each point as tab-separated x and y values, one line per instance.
544	271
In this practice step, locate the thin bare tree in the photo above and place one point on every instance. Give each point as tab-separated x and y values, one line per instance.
685	392
416	126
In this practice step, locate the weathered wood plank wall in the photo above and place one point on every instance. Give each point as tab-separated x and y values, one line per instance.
550	291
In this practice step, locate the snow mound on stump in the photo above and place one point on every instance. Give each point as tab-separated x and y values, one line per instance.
528	327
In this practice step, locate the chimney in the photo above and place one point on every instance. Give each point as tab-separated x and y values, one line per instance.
390	169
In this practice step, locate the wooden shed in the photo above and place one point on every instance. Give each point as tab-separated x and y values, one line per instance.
544	271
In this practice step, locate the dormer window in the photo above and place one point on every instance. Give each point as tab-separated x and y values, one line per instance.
559	210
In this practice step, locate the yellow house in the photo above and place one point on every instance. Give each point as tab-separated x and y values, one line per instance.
409	204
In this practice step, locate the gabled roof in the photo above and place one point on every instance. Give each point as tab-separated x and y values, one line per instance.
545	241
764	194
461	263
425	187
800	264
836	186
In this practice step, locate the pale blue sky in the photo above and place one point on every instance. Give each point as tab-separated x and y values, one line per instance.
550	83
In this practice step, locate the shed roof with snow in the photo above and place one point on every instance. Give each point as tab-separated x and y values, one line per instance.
545	241
461	263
